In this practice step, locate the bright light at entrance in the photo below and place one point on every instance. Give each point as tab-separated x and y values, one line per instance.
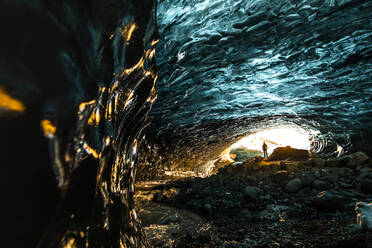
275	137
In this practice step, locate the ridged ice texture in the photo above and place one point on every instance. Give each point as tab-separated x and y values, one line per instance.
225	59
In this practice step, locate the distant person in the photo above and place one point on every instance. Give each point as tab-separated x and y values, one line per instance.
264	149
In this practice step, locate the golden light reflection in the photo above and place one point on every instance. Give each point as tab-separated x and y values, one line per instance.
129	99
154	42
128	31
70	243
150	53
95	117
83	105
140	65
9	103
294	137
90	150
153	94
130	70
48	128
225	156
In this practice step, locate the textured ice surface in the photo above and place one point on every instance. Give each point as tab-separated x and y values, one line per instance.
226	59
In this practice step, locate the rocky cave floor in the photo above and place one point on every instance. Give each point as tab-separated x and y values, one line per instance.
258	203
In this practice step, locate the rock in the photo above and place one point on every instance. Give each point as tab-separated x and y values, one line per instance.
293	167
282	166
204	236
366	184
354	229
356	159
318	162
364	215
264	214
294	185
267	197
252	193
365	171
308	179
334	173
320	184
336	162
246	214
331	200
258	158
346	185
170	219
208	208
169	193
280	177
369	163
287	152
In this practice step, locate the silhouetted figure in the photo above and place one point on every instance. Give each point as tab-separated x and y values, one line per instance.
264	149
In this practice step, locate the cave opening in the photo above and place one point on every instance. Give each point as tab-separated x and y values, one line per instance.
251	145
165	149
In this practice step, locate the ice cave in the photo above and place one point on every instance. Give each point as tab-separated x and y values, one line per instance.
173	123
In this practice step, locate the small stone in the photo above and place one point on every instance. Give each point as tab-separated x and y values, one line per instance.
334	173
308	179
331	200
356	159
354	229
282	166
208	208
252	193
332	178
346	185
170	219
294	185
267	197
318	162
364	215
204	235
264	214
366	184
365	171
336	162
246	214
320	184
280	177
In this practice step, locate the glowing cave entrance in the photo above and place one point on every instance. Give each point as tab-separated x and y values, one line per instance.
251	145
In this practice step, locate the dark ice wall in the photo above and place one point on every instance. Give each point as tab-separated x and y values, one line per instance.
77	82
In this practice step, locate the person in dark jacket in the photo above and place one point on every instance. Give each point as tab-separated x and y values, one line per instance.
264	149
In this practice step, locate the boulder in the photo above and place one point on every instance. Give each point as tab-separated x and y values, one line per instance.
280	177
356	159
354	229
336	162
288	152
330	200
366	184
208	208
320	184
334	173
252	193
318	162
246	214
294	185
173	218
365	171
364	215
308	179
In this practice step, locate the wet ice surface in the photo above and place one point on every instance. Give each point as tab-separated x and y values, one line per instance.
223	60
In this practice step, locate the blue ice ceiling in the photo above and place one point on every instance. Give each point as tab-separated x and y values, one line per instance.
225	59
